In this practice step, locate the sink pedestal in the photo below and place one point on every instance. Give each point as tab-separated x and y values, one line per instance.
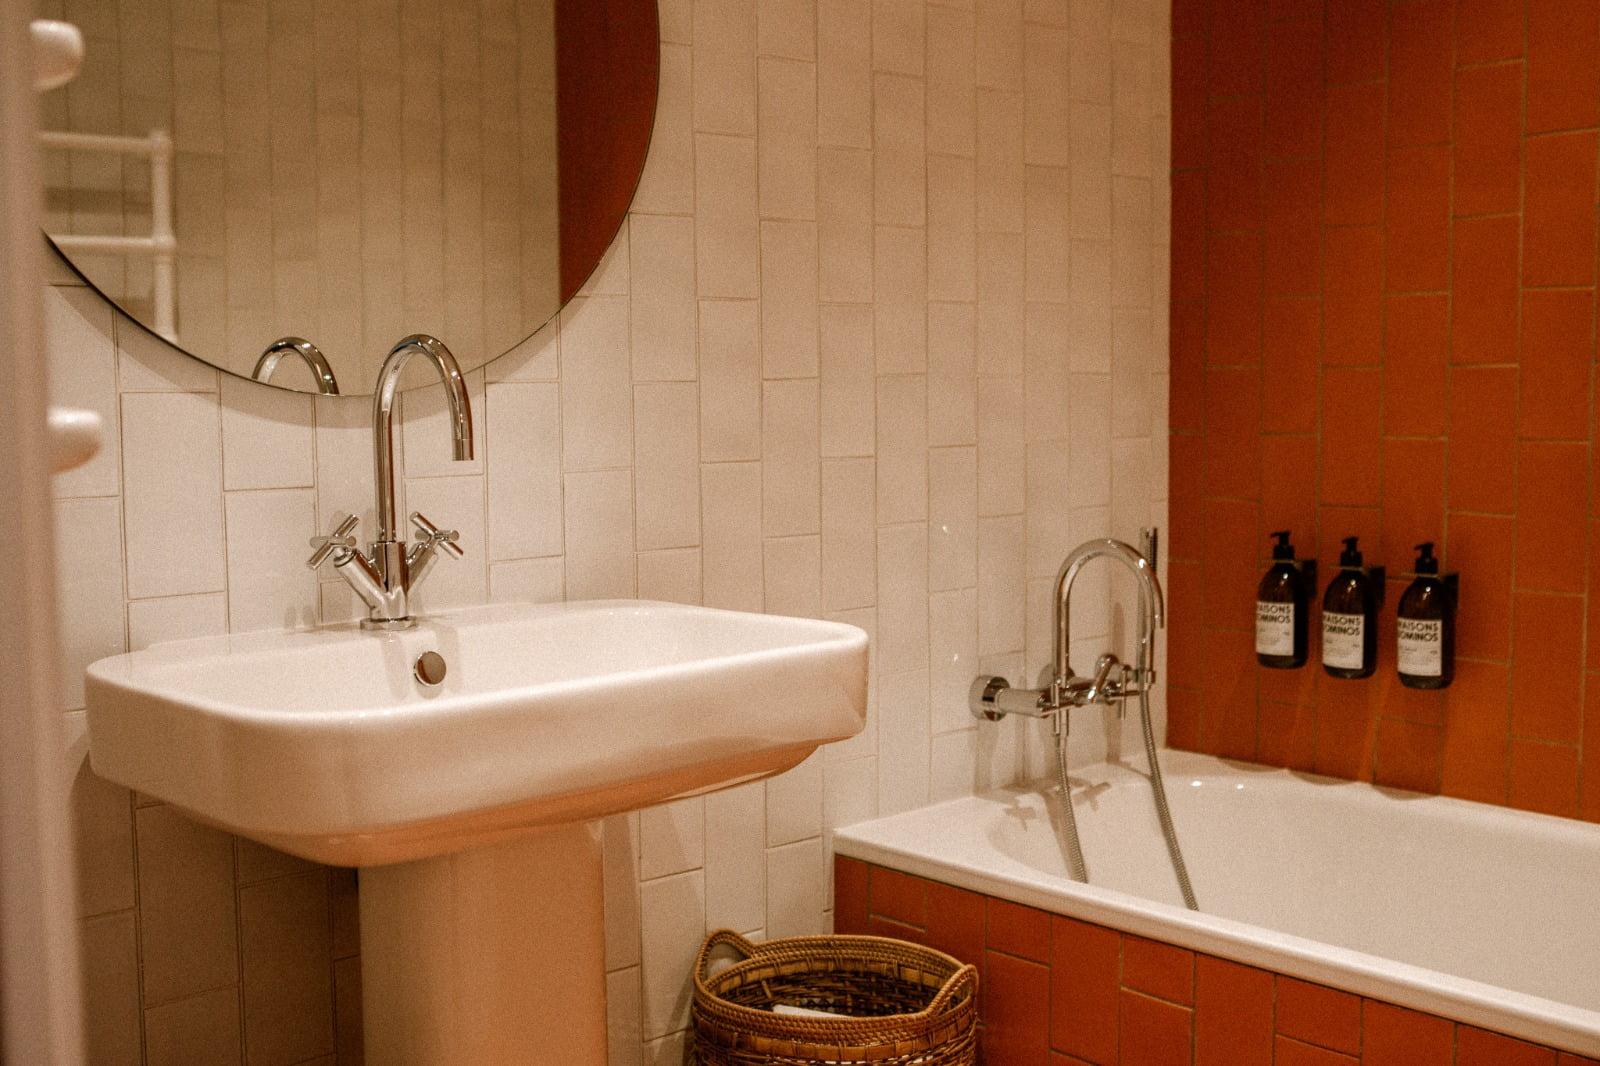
490	957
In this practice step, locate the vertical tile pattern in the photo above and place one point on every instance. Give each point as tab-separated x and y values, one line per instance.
1057	991
883	334
1383	297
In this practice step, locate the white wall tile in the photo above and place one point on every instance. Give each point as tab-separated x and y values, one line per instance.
735	857
524	480
792	576
844	73
902	597
952	518
268	533
899	171
596	405
848	394
662	319
730	381
903	741
667	472
900	319
267	437
794	803
849	534
173	520
731	535
902	448
671	838
788	299
952	374
952	657
527	581
599	516
952	81
787	28
453	503
726	235
787	138
952	229
844	225
672	924
796	892
672	575
1001	585
790	458
88	588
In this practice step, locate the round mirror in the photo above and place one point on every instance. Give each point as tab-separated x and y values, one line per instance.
285	188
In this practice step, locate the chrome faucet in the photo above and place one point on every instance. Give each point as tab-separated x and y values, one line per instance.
385	575
992	698
309	354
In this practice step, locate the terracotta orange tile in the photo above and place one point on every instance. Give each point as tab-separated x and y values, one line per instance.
1186	516
1287	731
1191	18
1421	68
1351	428
1183	718
1417	237
849	896
1589	770
1477	749
1233	431
1557	348
1188	102
1413	497
1294	10
1154	1032
1478	1047
1563	39
1228	700
1396	701
1233	293
1552	484
1019	930
1488	139
1591	655
1236	29
1016	1009
1232	1015
1058	1059
1295	1053
877	925
1083	989
1356	30
1289	491
1483	430
1292	227
1416	351
1569	1059
1291	348
1484	282
1158	969
897	896
1189	237
1480	547
1410	755
1487	30
1185	647
1558	243
1294	89
1395	1036
955	922
1316	1014
1547	665
1353	296
1353	190
1346	735
1228	554
1233	177
1187	341
1544	778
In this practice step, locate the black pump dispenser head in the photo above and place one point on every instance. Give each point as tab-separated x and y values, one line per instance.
1283	549
1426	563
1351	556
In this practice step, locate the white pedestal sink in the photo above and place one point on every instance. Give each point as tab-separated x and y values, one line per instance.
465	803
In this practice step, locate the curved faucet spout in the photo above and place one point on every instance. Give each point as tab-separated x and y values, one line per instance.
309	353
383	398
1152	605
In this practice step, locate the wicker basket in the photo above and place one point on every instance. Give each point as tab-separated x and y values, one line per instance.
908	1005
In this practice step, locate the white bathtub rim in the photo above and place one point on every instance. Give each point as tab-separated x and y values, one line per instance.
1534	1018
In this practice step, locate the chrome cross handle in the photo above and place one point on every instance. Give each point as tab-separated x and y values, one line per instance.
340	540
431	536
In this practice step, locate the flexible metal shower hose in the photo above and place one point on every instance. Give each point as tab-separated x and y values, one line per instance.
1069	821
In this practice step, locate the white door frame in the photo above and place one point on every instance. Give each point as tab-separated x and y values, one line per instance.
40	999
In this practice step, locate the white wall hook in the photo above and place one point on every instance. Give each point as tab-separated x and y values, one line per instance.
57	53
74	437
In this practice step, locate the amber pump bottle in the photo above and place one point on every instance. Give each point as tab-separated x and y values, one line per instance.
1349	618
1281	610
1427	626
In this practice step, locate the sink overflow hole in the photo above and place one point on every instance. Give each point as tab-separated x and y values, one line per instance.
430	669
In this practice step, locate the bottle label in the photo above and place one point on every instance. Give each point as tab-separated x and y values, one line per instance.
1274	628
1421	647
1342	639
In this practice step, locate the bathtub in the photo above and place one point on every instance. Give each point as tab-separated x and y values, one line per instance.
1476	913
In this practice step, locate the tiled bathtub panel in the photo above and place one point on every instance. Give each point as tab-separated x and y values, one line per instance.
1056	991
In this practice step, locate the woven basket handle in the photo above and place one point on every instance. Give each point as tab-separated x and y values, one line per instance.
720	937
963	980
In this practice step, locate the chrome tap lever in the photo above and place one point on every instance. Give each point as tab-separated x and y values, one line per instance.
431	536
340	540
1097	691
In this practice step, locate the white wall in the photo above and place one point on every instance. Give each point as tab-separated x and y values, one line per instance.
885	336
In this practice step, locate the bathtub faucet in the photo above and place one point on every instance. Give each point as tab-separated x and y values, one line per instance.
992	698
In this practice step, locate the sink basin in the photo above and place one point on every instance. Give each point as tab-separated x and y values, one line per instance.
326	745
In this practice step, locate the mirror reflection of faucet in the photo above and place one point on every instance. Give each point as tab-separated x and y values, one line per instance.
386	574
310	354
